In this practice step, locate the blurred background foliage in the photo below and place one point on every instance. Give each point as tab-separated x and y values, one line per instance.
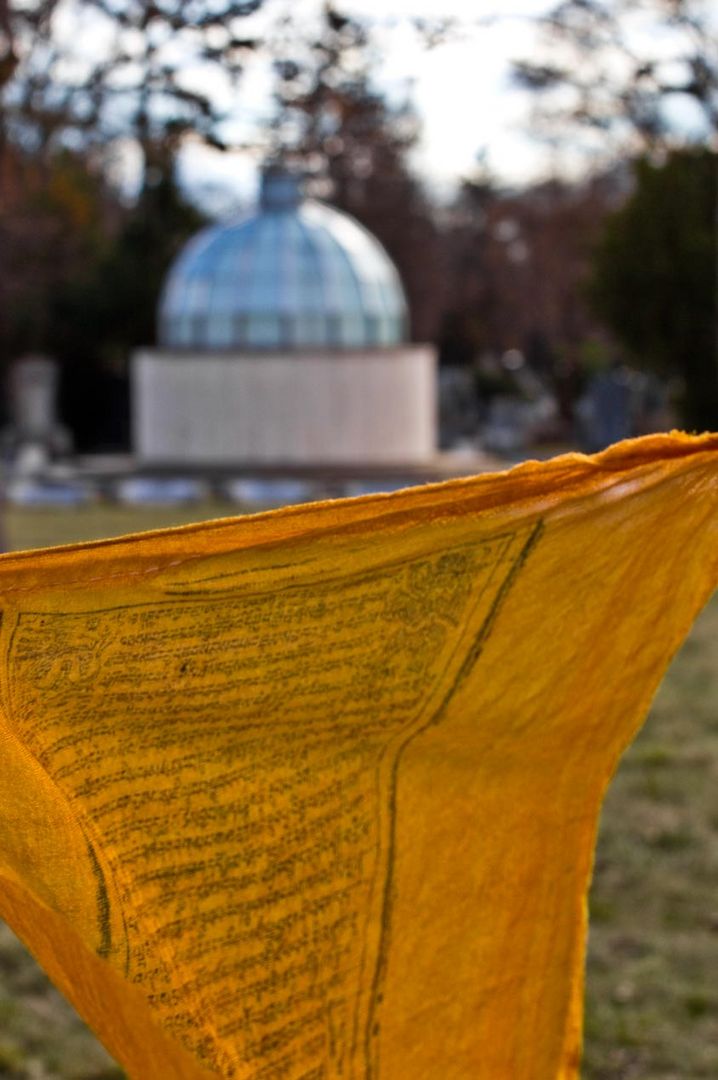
617	264
654	275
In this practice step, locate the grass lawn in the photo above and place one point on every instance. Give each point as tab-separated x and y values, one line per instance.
652	1000
652	997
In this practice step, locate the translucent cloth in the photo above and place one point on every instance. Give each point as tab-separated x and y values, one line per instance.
314	794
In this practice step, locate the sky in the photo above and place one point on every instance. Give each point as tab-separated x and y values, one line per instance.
475	69
462	92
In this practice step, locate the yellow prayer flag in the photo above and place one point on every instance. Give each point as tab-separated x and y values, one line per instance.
313	795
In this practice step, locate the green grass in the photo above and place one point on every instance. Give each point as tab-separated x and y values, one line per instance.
652	996
46	528
41	1036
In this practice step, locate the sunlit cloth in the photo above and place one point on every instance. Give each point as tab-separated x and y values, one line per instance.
313	795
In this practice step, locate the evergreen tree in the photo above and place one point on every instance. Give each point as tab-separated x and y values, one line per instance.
102	316
654	278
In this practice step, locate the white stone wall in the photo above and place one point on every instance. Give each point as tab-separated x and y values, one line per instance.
378	407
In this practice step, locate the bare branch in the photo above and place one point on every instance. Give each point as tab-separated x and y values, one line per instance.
598	67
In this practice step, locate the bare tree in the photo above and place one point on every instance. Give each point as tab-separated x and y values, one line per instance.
95	70
333	122
631	74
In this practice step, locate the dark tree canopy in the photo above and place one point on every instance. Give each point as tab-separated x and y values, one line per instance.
100	316
82	270
80	277
54	221
654	279
517	263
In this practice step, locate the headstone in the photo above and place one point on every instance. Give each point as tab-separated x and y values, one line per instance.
34	437
458	406
618	404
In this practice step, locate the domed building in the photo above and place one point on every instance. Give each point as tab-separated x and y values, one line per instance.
282	341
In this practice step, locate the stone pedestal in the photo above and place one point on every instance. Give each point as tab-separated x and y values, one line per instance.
335	407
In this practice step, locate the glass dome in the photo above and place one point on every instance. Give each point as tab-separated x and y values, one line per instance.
297	275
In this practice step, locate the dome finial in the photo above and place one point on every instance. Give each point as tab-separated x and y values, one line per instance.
281	189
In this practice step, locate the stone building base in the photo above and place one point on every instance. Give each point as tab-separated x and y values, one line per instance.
373	407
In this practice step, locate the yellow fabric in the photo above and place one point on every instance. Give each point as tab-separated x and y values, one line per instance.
313	795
